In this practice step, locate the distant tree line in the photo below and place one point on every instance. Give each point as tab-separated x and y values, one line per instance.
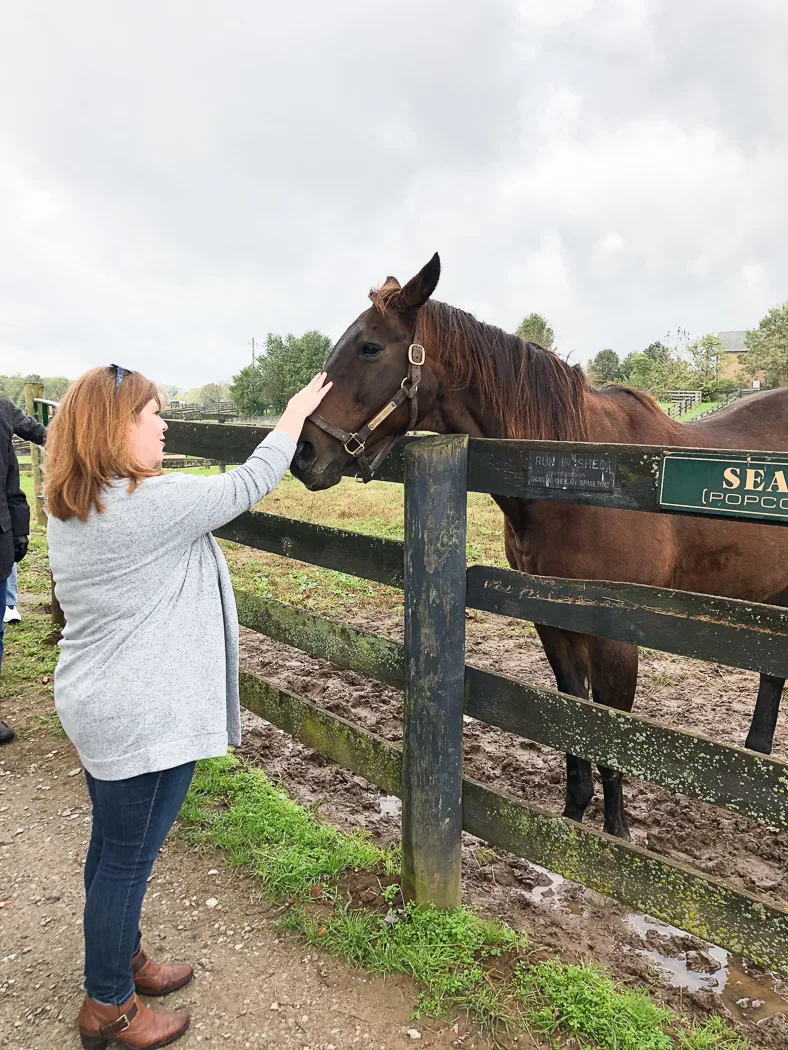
681	363
13	387
284	366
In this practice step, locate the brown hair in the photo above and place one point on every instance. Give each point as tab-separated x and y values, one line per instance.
88	441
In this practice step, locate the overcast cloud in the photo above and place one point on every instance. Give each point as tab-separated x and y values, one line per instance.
178	177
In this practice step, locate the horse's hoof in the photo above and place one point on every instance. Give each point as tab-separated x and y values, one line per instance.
574	814
762	746
618	830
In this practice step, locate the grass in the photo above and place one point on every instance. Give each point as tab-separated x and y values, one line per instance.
263	830
585	1002
461	960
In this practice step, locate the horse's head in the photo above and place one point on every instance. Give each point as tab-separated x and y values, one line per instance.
380	389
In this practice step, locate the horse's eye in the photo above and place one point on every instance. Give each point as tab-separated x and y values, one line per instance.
370	350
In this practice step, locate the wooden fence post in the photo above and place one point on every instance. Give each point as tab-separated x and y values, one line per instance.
34	390
435	567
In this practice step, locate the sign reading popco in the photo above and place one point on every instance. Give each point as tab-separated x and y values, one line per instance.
731	486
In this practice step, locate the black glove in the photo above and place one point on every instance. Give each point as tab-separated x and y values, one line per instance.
20	547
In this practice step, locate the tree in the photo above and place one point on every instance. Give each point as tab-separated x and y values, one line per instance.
657	352
13	387
208	394
535	329
284	367
247	391
640	371
55	387
705	354
768	347
213	392
605	368
626	367
658	370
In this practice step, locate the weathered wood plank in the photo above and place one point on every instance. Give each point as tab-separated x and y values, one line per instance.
752	785
370	557
497	466
639	878
673	892
354	748
733	778
235	442
366	654
225	442
33	392
508	468
435	531
725	630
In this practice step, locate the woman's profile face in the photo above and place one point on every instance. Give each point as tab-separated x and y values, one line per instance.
147	436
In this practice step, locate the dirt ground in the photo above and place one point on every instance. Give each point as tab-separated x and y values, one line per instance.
258	987
254	986
688	974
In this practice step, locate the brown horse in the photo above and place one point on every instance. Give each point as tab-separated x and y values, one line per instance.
479	380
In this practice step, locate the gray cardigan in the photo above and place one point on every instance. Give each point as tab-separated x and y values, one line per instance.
147	676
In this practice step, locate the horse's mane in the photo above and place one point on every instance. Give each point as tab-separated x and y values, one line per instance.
531	391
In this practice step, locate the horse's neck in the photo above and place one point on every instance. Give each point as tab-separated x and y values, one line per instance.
621	418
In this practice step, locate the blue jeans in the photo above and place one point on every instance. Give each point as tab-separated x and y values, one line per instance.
131	819
3	585
11	590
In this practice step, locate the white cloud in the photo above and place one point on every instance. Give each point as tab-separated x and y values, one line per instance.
174	185
544	277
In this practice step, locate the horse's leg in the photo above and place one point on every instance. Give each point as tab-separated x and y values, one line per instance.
569	660
614	677
767	706
764	717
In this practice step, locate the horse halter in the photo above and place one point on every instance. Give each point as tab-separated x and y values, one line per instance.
354	443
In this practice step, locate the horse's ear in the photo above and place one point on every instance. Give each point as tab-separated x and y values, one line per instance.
388	291
419	288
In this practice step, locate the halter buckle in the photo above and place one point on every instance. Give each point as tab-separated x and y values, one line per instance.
416	354
354	451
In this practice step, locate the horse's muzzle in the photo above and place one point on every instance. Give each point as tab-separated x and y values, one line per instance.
313	472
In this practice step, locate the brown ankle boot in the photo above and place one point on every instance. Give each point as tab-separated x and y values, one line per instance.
133	1025
152	978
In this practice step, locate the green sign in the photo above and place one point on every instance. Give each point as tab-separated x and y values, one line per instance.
730	486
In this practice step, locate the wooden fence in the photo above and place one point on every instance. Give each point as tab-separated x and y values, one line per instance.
426	771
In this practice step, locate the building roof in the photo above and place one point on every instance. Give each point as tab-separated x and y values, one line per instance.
733	342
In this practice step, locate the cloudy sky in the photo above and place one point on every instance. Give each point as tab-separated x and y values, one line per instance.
177	177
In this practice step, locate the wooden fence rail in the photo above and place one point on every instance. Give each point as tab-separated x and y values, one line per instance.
733	778
624	477
726	630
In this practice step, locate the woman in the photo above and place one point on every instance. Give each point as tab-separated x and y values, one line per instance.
147	679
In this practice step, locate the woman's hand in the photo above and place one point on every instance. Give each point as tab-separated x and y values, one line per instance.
303	404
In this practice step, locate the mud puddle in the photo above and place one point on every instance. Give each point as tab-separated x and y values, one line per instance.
696	966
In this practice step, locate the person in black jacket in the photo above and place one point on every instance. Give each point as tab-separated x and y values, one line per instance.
14	511
14	532
14	421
